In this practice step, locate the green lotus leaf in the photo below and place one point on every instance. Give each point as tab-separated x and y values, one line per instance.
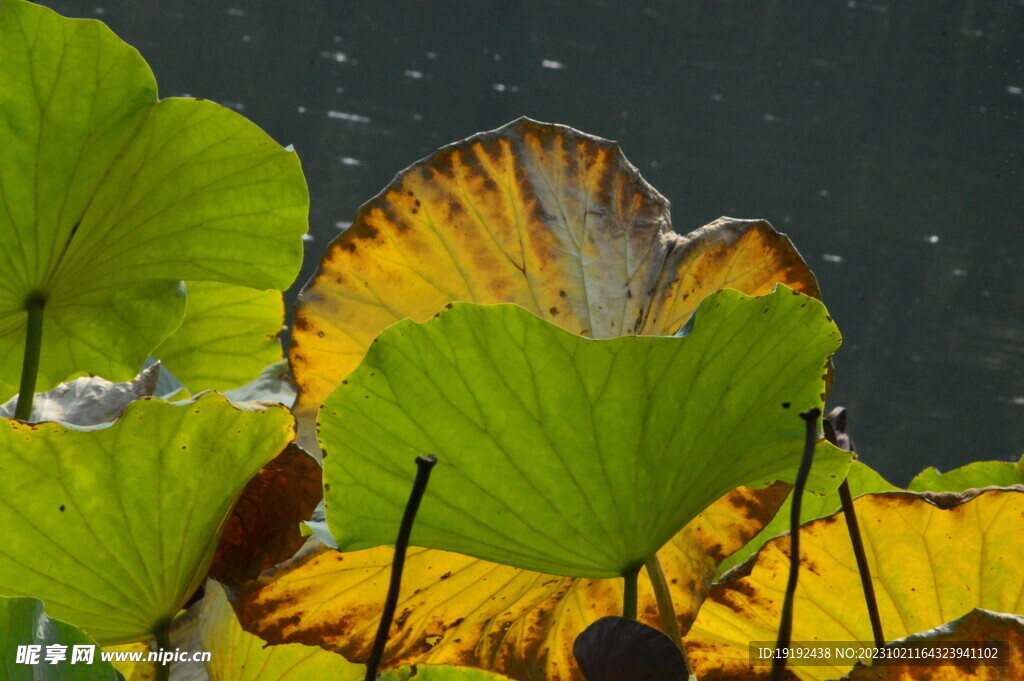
110	197
563	454
977	474
23	623
228	336
114	529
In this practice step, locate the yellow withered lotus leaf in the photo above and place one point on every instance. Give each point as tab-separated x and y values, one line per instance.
459	610
535	214
238	656
143	670
933	558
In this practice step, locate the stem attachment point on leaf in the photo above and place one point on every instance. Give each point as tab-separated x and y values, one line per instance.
629	578
424	465
163	643
34	305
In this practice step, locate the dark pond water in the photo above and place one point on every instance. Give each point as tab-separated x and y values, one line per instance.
886	138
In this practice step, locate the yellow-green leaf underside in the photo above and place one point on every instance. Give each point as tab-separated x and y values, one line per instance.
114	529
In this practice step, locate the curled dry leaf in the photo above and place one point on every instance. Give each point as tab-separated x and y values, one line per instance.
264	528
87	401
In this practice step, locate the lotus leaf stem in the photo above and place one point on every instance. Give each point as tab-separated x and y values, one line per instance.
30	366
838	415
810	418
163	643
666	611
629	577
424	464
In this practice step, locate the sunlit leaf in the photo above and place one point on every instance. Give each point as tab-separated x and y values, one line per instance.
87	401
238	656
109	197
566	455
24	623
228	336
458	610
540	215
143	670
113	529
977	474
264	528
620	649
929	565
863	480
439	673
979	627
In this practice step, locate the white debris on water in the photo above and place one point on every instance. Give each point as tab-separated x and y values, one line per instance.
339	57
932	239
1015	89
349	161
832	257
350	117
552	64
415	75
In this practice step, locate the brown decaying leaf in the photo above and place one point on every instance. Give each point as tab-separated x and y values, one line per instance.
536	214
264	527
979	627
459	610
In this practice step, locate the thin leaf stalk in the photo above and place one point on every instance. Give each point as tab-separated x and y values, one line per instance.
424	464
835	432
862	564
810	418
34	305
163	644
666	610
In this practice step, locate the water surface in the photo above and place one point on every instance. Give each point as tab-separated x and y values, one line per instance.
886	138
